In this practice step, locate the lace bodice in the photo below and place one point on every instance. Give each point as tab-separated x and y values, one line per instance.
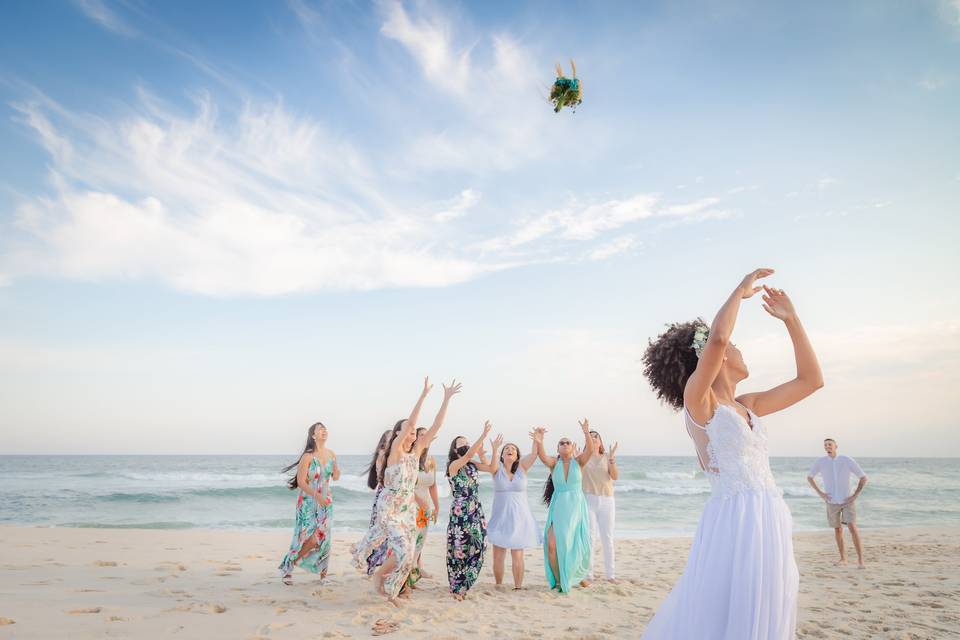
733	456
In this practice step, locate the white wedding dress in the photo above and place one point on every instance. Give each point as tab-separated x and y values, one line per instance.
741	580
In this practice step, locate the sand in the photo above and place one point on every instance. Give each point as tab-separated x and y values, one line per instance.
126	583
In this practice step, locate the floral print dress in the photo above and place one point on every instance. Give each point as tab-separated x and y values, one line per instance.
395	524
379	554
312	521
466	532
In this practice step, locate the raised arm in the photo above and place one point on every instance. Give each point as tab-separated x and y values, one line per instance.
527	461
537	435
427	437
612	462
494	463
410	425
459	463
588	445
696	395
809	378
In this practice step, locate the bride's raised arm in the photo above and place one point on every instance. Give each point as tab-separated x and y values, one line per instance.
809	378
696	395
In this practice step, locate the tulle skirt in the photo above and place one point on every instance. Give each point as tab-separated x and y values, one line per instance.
741	580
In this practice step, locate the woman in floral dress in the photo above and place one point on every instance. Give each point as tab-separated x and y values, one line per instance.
395	522
467	529
310	547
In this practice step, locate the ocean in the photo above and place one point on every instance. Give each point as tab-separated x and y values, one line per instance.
656	496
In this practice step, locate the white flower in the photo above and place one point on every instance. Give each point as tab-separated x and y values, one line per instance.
700	336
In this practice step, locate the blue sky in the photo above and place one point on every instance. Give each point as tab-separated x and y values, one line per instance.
220	222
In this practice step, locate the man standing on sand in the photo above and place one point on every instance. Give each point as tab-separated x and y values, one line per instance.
841	508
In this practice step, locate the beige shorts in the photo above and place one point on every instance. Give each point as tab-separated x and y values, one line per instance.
841	514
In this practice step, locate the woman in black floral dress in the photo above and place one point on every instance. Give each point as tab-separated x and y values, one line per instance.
467	530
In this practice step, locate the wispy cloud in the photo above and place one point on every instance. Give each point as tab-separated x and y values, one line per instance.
99	12
478	134
612	248
933	81
578	222
458	206
428	37
270	203
264	203
950	12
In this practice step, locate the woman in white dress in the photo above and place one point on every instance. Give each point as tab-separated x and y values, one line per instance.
512	525
741	579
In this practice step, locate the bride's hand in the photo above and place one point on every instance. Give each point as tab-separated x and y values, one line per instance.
747	286
778	304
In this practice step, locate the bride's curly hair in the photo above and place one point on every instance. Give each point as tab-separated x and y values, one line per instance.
670	360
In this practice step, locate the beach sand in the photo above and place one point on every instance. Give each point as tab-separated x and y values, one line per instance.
127	583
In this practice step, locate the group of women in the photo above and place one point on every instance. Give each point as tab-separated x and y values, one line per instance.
579	492
741	579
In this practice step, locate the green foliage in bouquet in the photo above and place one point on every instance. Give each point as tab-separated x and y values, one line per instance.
566	92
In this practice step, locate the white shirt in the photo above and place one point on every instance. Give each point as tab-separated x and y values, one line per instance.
836	476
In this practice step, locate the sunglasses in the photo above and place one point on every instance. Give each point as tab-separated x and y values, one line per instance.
563	443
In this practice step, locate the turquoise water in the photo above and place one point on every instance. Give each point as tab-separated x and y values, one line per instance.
656	496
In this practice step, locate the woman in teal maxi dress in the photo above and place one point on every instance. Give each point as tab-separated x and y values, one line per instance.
566	549
310	547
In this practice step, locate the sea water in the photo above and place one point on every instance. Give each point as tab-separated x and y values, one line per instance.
656	496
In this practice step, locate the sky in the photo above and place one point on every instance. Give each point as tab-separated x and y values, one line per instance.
223	221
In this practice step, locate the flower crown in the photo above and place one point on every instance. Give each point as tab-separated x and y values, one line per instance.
700	336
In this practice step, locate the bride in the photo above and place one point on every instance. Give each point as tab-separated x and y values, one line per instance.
741	580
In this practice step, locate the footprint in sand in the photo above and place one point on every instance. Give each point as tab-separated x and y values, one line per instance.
116	619
85	610
5	621
104	563
216	608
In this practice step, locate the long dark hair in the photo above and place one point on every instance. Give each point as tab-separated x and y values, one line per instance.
372	470
310	447
516	463
452	455
548	487
393	436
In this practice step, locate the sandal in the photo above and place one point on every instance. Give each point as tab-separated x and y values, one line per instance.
287	580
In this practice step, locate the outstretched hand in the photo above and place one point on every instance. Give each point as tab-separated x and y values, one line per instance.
426	386
778	304
748	286
613	450
495	444
452	390
585	426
